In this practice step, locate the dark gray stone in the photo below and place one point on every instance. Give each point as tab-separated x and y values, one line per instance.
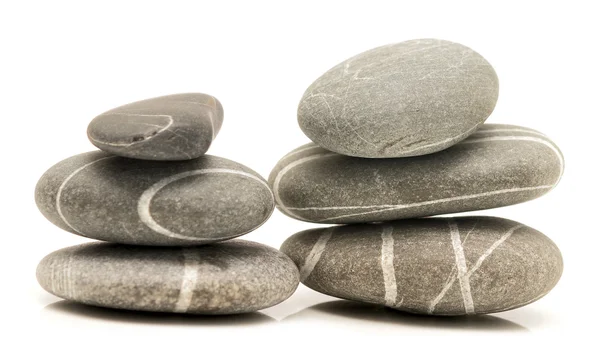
145	202
497	166
440	266
229	277
406	99
172	127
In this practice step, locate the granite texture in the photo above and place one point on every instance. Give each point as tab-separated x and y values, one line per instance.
172	127
439	266
229	277
499	165
411	98
143	202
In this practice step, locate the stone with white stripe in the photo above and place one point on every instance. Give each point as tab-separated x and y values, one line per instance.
439	266
143	202
499	165
172	127
406	99
234	276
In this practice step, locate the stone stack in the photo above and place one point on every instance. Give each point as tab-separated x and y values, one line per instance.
162	205
398	134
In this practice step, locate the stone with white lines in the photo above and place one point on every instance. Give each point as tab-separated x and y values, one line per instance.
407	99
229	277
172	127
499	165
132	201
439	266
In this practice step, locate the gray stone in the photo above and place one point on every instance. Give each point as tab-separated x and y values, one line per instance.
406	99
172	127
440	266
146	202
229	277
497	166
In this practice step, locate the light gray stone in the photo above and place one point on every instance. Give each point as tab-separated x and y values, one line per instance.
172	127
228	277
133	201
440	266
411	98
497	166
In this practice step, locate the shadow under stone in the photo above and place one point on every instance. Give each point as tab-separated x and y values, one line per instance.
376	313
155	318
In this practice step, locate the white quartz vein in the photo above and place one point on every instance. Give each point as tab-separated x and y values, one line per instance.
145	200
315	253
387	266
461	266
62	187
189	280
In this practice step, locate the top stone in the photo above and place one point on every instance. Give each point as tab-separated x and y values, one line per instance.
172	127
407	99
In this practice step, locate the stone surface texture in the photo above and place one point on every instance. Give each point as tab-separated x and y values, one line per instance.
133	201
225	278
499	165
407	99
172	127
439	266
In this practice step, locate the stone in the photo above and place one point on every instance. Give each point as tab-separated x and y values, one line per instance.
499	165
110	198
229	277
439	266
406	99
172	127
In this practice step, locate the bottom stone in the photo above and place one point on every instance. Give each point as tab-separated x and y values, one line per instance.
440	266
224	278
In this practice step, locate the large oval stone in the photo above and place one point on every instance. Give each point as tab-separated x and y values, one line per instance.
172	127
229	277
406	99
132	201
499	165
441	266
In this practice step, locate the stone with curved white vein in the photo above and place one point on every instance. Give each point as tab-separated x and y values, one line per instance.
132	201
498	165
171	127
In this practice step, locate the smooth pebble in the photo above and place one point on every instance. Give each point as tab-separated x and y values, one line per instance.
440	266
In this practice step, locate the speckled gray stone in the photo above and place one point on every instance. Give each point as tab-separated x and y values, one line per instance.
172	127
440	266
499	165
411	98
133	201
229	277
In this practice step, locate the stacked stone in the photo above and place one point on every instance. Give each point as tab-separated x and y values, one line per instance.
398	134
161	204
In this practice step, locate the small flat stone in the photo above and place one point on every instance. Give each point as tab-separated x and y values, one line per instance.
440	266
497	166
172	127
143	202
412	98
225	278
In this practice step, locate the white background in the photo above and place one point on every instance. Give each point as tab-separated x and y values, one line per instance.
62	63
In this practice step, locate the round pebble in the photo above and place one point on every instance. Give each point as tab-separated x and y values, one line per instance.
172	127
497	166
225	278
439	266
406	99
132	201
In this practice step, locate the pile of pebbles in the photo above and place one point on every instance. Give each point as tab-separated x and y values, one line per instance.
161	204
398	134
